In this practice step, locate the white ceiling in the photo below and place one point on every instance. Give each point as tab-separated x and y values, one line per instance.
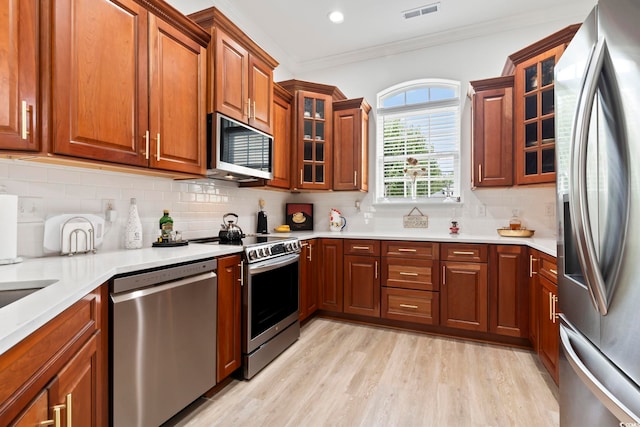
300	29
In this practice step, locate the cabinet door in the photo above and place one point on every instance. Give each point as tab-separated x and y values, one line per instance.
231	79
177	118
463	295
409	305
508	291
282	131
260	94
308	279
330	285
314	141
350	128
534	304
534	119
362	285
493	138
410	273
229	316
75	387
549	332
99	80
19	74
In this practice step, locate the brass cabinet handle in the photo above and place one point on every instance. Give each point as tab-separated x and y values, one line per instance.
404	273
480	173
303	244
531	259
555	313
406	250
68	400
552	307
444	275
310	249
301	181
409	306
355	178
553	271
376	270
158	148
146	149
361	248
464	253
241	273
25	112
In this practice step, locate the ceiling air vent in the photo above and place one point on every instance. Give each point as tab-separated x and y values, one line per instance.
422	10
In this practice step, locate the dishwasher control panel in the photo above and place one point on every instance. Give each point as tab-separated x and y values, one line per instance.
156	276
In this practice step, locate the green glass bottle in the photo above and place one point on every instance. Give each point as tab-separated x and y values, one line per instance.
166	226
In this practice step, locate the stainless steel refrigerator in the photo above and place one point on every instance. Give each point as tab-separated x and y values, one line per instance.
597	100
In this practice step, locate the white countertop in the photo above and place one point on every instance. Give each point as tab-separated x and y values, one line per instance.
80	274
77	276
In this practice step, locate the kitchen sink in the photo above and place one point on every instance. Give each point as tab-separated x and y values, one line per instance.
15	290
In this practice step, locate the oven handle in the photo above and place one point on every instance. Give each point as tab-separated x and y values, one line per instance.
269	265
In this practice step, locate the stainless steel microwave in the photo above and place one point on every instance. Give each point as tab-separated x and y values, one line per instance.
236	151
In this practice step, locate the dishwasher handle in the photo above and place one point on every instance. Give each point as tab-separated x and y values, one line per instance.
140	293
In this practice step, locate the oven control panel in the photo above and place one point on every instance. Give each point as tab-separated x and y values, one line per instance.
266	251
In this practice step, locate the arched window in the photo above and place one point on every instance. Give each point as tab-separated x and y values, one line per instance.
418	141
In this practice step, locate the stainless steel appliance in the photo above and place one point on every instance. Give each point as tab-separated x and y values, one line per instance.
597	95
270	298
162	341
236	151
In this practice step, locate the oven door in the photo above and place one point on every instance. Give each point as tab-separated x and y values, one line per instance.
270	299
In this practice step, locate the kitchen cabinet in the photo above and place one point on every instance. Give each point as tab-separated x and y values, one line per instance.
548	326
533	268
410	282
508	291
351	144
229	316
534	107
129	86
60	369
308	278
463	286
492	124
330	275
362	277
282	138
19	72
240	73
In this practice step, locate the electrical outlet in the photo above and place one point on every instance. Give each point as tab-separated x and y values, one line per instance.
481	210
549	209
29	208
109	209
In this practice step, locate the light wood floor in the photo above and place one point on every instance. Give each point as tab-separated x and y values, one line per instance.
342	374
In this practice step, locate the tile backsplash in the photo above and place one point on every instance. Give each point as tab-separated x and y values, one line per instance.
197	206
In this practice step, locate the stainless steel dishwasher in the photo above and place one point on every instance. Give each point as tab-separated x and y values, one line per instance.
163	341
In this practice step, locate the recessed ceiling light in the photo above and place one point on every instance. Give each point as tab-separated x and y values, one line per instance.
336	17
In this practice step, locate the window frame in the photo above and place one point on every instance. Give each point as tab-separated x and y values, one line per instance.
428	107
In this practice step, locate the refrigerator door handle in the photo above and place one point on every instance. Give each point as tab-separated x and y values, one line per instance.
580	217
591	366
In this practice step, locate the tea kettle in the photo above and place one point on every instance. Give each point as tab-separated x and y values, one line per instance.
230	231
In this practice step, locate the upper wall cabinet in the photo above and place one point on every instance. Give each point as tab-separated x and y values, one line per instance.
127	86
241	73
351	144
19	70
534	107
492	115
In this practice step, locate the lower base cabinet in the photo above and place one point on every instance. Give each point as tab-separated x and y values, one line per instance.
58	374
330	274
229	316
410	305
508	291
308	278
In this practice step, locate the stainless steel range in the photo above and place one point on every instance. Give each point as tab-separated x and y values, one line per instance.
270	310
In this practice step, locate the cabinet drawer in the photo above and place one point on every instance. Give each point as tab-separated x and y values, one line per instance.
410	273
425	250
362	247
463	252
548	267
410	305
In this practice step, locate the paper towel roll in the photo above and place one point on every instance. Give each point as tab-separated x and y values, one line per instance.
9	223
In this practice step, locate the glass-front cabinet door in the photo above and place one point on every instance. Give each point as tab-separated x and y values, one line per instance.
534	119
314	141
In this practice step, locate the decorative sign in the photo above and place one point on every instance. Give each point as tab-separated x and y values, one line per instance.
418	220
